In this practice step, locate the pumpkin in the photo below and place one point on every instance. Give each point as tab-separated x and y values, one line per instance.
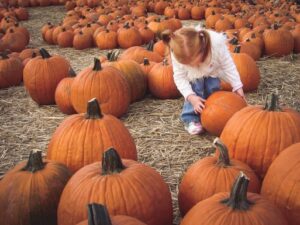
235	208
125	186
82	41
212	19
27	53
161	83
223	24
129	36
197	12
36	184
106	84
147	35
11	71
248	71
296	36
219	108
212	175
65	38
42	75
16	41
138	54
80	139
107	39
98	214
278	42
63	93
281	183
161	48
257	134
147	66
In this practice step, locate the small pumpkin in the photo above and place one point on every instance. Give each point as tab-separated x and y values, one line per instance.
129	36
82	40
107	39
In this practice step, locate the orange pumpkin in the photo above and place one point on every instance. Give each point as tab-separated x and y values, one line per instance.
138	54
256	135
131	188
82	138
129	36
107	39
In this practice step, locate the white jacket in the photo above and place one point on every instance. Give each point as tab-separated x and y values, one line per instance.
221	65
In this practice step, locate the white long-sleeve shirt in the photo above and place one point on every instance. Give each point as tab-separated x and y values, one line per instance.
220	65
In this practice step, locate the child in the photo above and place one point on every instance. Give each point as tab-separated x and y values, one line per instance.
199	59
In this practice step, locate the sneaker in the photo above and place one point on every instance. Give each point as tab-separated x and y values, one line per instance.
194	128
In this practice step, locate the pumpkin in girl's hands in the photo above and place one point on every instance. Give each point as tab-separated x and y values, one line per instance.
30	192
125	186
98	214
82	138
212	175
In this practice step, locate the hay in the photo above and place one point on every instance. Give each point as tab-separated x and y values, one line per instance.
161	141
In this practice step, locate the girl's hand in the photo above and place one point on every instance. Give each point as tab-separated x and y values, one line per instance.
240	92
197	102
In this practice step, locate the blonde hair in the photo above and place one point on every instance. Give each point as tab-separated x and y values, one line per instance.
187	43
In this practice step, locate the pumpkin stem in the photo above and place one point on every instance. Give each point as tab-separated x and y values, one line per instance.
224	156
146	62
237	49
98	215
35	162
71	72
44	53
4	55
97	65
238	195
234	41
93	109
111	162
150	45
273	105
165	62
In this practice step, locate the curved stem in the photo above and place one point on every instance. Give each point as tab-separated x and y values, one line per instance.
35	162
111	162
224	159
98	215
93	110
97	65
237	49
273	105
71	72
44	53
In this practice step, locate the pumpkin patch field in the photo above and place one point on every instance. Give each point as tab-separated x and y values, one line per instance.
90	123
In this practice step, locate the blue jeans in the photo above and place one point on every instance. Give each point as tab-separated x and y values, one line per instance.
203	87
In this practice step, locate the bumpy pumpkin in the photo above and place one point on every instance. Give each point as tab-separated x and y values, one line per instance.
281	184
219	108
257	134
212	175
30	192
98	215
126	187
81	139
106	84
42	75
235	208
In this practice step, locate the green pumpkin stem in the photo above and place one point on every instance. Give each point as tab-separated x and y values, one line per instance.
273	105
35	162
71	72
44	53
97	65
238	195
111	162
98	215
224	159
150	45
93	110
237	49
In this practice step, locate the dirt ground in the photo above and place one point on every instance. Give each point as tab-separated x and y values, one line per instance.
161	141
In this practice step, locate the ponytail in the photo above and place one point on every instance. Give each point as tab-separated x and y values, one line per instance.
205	43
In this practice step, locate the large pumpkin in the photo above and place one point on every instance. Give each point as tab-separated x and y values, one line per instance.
161	82
212	175
281	184
138	54
42	75
126	187
11	71
30	192
106	84
257	134
235	208
219	108
98	215
81	139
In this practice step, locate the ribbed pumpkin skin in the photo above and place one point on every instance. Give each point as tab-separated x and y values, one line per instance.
41	77
161	82
120	220
206	178
281	184
79	141
63	96
138	191
11	72
32	198
107	85
138	54
211	211
219	108
256	136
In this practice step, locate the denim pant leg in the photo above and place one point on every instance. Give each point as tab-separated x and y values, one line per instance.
211	84
188	114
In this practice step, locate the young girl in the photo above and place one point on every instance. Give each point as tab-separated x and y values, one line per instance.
199	59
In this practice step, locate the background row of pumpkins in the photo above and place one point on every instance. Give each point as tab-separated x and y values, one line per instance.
31	3
213	190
